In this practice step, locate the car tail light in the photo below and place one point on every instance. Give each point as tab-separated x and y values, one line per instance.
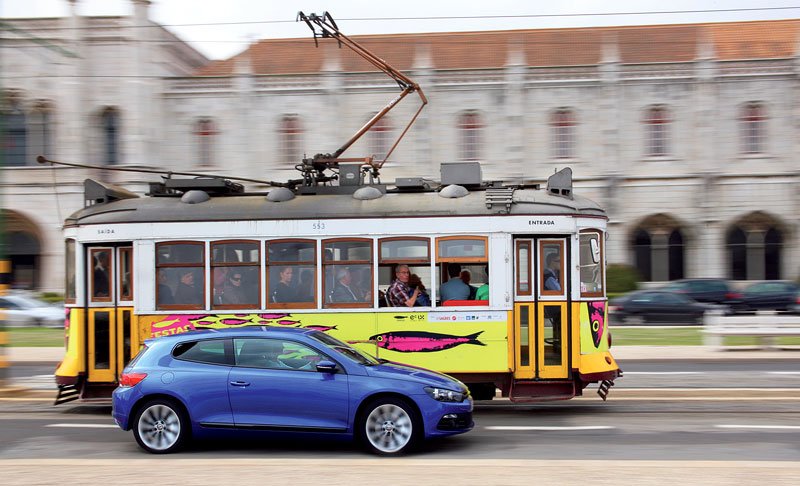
131	379
733	295
614	308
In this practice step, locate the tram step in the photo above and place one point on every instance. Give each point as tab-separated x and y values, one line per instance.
604	388
541	391
66	393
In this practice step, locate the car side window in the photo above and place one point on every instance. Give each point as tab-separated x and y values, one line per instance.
275	354
210	351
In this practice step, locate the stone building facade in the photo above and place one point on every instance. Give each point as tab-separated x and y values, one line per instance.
687	134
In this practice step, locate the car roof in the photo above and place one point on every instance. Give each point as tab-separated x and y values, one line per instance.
263	331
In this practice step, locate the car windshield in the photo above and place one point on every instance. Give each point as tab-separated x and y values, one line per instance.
353	354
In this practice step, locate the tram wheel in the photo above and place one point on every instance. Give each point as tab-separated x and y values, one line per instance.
161	426
482	391
389	426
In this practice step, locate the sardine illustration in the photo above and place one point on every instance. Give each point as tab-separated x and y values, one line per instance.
318	327
421	341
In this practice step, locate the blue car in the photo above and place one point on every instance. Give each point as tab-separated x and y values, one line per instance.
267	380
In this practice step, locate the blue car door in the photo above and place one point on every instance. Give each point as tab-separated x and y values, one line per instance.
199	375
275	384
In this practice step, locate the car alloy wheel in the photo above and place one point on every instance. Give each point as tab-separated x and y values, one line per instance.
160	427
389	426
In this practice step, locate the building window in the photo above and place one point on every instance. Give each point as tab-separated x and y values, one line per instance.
563	125
380	139
658	249
40	126
291	139
110	129
205	131
755	246
753	123
15	145
470	129
656	124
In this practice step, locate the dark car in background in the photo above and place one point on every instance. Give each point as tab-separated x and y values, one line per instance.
709	290
657	307
775	295
279	381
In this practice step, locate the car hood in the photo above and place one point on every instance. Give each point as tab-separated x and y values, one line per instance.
399	371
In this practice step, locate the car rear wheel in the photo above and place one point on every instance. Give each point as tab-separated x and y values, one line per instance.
161	427
389	426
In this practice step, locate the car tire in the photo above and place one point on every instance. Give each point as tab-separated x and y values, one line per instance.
161	426
389	426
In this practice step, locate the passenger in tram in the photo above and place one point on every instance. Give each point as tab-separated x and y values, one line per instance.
232	291
100	277
454	288
306	290
187	292
483	291
552	279
285	291
164	291
343	292
363	284
400	293
423	299
466	276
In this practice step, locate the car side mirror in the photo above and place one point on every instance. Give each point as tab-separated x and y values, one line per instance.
326	367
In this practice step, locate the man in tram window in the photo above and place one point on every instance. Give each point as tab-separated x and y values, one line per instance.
100	274
343	292
232	292
306	289
164	290
284	290
552	279
400	293
187	292
454	288
466	277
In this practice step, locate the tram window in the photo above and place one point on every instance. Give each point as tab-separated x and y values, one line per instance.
292	274
69	271
347	273
461	258
412	252
591	264
101	275
180	267
125	274
551	264
236	274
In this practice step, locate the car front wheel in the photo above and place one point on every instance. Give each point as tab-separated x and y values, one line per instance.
160	427
389	426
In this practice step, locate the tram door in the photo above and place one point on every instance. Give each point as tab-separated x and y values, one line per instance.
111	336
541	326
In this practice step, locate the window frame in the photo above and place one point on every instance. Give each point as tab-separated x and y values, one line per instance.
543	292
122	253
408	261
202	265
110	272
470	130
334	263
601	263
256	264
753	128
464	259
294	263
290	131
70	271
563	123
657	116
517	245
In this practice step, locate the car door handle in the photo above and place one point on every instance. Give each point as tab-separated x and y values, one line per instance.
240	383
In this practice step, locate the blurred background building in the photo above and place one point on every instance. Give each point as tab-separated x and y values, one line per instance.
686	134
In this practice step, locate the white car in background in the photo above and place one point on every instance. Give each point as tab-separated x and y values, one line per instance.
25	311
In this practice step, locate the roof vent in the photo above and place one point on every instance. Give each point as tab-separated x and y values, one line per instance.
560	183
367	193
461	173
453	191
95	192
280	194
195	197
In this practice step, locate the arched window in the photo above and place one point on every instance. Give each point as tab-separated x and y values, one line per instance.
15	145
291	139
562	123
380	138
656	123
755	245
753	123
470	128
205	131
659	249
110	130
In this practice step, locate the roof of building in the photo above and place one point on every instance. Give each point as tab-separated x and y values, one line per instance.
725	41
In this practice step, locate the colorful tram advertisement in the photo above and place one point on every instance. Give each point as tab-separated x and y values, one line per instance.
501	285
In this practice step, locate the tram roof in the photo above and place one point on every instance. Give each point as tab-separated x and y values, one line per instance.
524	201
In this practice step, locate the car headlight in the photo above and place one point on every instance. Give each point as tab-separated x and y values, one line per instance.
444	395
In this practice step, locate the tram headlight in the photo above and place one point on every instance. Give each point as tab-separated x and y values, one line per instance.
444	395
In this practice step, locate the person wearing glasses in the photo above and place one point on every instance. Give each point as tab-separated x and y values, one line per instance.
232	292
400	293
